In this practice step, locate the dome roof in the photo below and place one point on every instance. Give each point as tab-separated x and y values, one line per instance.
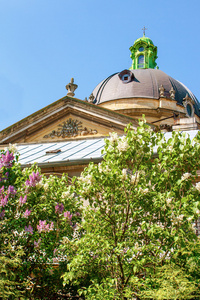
145	40
144	83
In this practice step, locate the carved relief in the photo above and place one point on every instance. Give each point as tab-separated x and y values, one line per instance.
70	128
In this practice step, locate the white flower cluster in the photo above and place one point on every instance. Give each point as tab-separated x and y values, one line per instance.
113	137
185	176
39	184
12	148
67	194
104	169
170	147
169	200
46	186
144	191
180	217
122	144
86	179
194	228
176	219
135	178
100	168
198	186
160	225
124	174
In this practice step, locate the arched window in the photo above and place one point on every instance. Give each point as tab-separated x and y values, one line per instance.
140	61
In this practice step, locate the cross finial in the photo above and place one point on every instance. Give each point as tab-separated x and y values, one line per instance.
144	28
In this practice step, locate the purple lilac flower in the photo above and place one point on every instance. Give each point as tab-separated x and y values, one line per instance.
74	226
4	201
33	179
37	244
27	213
68	215
11	190
59	208
2	214
78	214
29	229
6	160
44	227
22	200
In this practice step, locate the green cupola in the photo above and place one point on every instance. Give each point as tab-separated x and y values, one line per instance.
143	54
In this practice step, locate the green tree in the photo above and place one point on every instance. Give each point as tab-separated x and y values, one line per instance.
143	202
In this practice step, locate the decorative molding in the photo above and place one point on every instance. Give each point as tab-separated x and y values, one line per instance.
70	128
165	127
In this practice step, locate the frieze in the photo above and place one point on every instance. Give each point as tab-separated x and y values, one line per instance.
70	128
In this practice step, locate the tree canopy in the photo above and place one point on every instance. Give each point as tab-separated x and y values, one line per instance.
139	226
135	239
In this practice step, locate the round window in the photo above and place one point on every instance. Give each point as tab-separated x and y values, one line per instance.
126	77
141	49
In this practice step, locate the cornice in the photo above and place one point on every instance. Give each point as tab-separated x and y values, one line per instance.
59	109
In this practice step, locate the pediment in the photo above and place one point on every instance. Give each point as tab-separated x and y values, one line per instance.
71	126
67	118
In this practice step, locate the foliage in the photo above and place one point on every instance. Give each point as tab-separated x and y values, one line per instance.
136	238
8	265
140	218
36	213
170	282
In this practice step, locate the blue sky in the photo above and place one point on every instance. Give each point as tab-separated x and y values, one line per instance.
43	43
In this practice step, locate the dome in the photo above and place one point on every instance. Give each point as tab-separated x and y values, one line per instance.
141	83
145	40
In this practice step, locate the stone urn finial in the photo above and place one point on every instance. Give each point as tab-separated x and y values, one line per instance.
172	93
71	87
91	98
162	91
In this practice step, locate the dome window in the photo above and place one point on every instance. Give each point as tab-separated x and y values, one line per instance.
126	76
141	49
140	61
189	107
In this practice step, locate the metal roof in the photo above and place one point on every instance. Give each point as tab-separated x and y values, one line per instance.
71	152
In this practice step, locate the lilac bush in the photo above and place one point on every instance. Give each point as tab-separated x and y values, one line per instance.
36	213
